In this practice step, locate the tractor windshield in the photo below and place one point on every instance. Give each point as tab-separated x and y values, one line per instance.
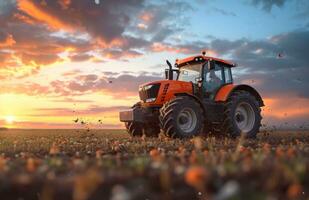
190	73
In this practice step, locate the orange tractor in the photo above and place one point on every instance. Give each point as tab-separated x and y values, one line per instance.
198	97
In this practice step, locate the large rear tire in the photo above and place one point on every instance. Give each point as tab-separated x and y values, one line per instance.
242	115
182	117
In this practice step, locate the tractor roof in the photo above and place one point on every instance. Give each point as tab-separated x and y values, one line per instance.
199	58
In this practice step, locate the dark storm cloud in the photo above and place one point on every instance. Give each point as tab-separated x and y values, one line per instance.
267	5
159	21
292	48
34	47
280	63
38	58
134	43
33	38
120	54
301	6
79	57
106	20
123	85
30	29
165	32
3	36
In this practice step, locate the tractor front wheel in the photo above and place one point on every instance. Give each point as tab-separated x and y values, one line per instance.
134	128
181	117
137	129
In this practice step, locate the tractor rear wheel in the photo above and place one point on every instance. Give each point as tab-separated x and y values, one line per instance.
182	117
242	115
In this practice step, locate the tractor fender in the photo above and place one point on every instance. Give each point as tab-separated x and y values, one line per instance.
225	91
194	97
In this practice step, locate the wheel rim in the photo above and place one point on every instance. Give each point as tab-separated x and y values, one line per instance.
187	120
244	117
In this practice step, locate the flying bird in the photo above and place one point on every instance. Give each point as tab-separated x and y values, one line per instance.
280	55
76	120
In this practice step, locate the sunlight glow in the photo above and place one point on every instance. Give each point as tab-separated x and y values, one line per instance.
9	119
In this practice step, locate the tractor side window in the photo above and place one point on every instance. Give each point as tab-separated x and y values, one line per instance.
228	75
214	78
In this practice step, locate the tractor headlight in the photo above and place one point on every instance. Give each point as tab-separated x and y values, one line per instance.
150	100
147	87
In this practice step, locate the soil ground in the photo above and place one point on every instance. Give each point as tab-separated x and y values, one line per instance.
108	164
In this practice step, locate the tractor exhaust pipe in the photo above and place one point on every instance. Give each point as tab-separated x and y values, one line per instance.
169	72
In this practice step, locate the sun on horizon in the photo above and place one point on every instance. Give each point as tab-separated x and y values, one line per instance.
10	119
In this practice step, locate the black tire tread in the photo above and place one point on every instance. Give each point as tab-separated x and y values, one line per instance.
134	128
226	128
166	115
137	129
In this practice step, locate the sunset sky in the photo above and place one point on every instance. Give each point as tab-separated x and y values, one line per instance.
58	57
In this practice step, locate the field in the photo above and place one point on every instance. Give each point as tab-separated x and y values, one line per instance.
108	164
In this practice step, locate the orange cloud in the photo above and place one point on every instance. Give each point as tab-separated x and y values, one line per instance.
35	12
8	41
146	16
286	107
64	3
24	18
212	53
253	82
121	54
160	47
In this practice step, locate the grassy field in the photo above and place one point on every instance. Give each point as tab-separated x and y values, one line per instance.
108	164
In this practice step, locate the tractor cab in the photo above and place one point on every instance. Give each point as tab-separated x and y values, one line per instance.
207	74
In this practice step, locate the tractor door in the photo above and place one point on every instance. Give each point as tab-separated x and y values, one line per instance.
215	78
212	80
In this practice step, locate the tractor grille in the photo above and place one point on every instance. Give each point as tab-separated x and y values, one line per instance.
150	93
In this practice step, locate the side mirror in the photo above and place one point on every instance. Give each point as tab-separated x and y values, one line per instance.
211	65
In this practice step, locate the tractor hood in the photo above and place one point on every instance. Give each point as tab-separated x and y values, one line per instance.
157	93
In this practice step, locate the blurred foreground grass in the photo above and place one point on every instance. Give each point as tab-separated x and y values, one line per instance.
108	164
